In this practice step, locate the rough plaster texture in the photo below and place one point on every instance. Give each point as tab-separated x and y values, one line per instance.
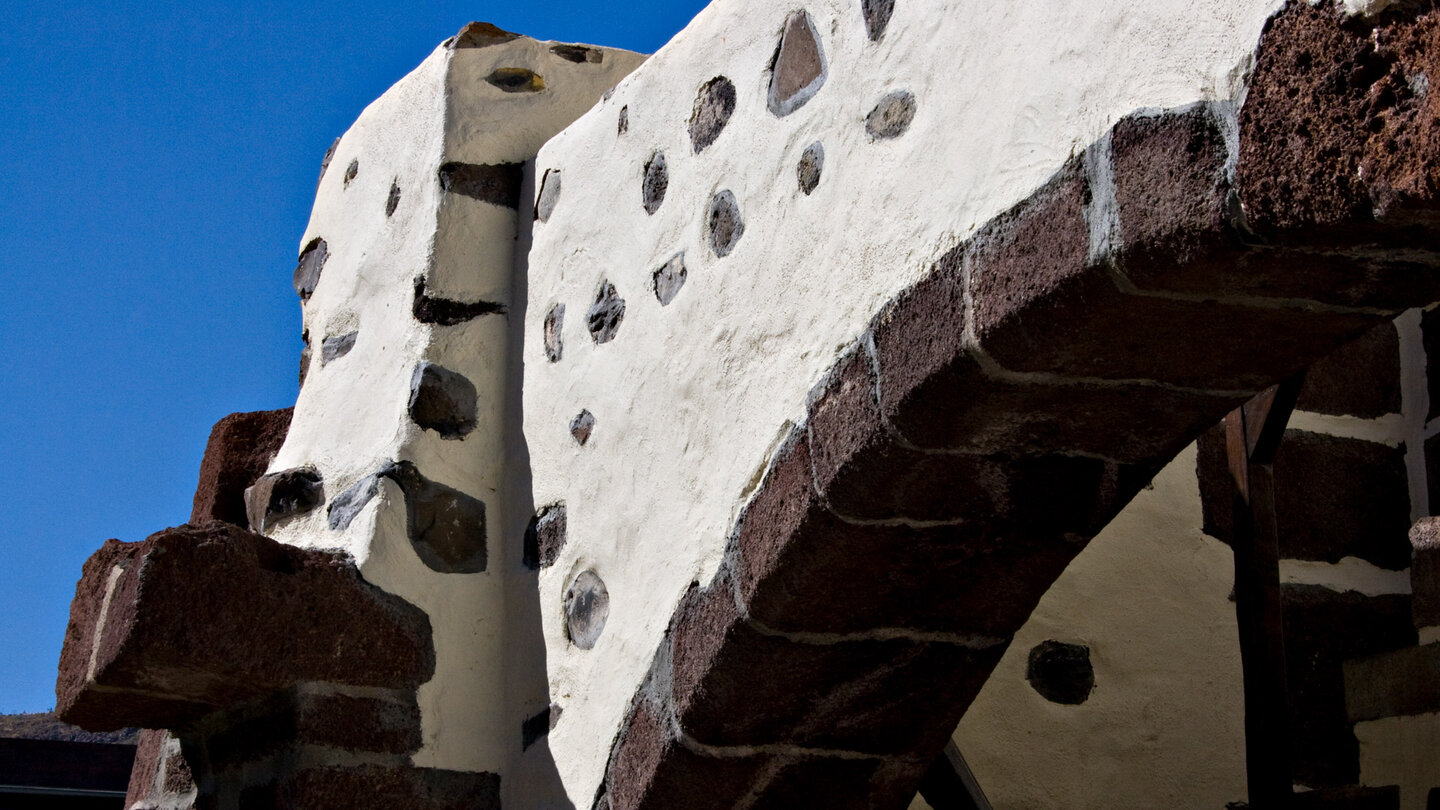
690	399
1401	751
354	413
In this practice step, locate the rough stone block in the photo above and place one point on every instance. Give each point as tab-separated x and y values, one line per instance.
239	451
651	770
1324	629
880	697
377	787
1334	497
282	495
314	715
1361	378
1394	684
828	782
198	618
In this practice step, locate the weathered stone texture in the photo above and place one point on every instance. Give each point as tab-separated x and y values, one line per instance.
446	527
239	451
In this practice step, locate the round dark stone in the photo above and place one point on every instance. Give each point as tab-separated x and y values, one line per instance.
670	278
892	116
723	223
393	201
549	195
713	108
587	606
655	184
351	170
603	318
554	322
1061	673
812	162
622	126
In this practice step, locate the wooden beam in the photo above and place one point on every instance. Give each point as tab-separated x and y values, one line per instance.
949	784
1253	434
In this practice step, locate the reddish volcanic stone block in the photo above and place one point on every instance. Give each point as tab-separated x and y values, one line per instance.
1324	629
1394	684
820	782
239	451
880	697
650	770
1361	378
309	717
1334	497
197	618
376	787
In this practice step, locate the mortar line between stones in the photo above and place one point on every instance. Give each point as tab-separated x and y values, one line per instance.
968	641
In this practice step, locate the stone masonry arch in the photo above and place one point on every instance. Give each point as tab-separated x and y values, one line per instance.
996	414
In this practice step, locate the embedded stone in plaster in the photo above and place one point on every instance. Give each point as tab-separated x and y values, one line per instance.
333	348
581	427
812	163
446	527
655	184
799	70
549	195
278	496
325	162
497	184
579	54
723	223
877	17
393	201
516	80
1061	673
604	316
713	108
349	503
304	363
587	607
351	171
481	35
442	400
545	537
554	323
892	116
446	312
307	272
622	125
670	278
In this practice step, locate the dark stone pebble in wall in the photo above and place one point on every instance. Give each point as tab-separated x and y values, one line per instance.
446	527
516	80
578	54
798	71
554	323
349	503
549	195
393	201
604	316
713	108
892	116
545	537
1061	673
351	171
812	163
333	348
307	272
587	607
670	278
877	17
655	184
622	125
582	426
723	223
278	496
442	400
481	35
325	161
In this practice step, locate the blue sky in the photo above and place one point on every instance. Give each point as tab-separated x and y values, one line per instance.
157	162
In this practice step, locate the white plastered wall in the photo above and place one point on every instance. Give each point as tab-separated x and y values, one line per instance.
690	399
352	416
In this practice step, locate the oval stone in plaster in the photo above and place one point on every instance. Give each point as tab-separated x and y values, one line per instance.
587	607
655	184
1060	672
812	163
892	116
713	108
723	223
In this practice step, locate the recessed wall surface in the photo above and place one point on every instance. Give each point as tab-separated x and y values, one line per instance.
930	124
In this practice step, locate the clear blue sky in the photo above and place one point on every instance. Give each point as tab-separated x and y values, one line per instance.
157	161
